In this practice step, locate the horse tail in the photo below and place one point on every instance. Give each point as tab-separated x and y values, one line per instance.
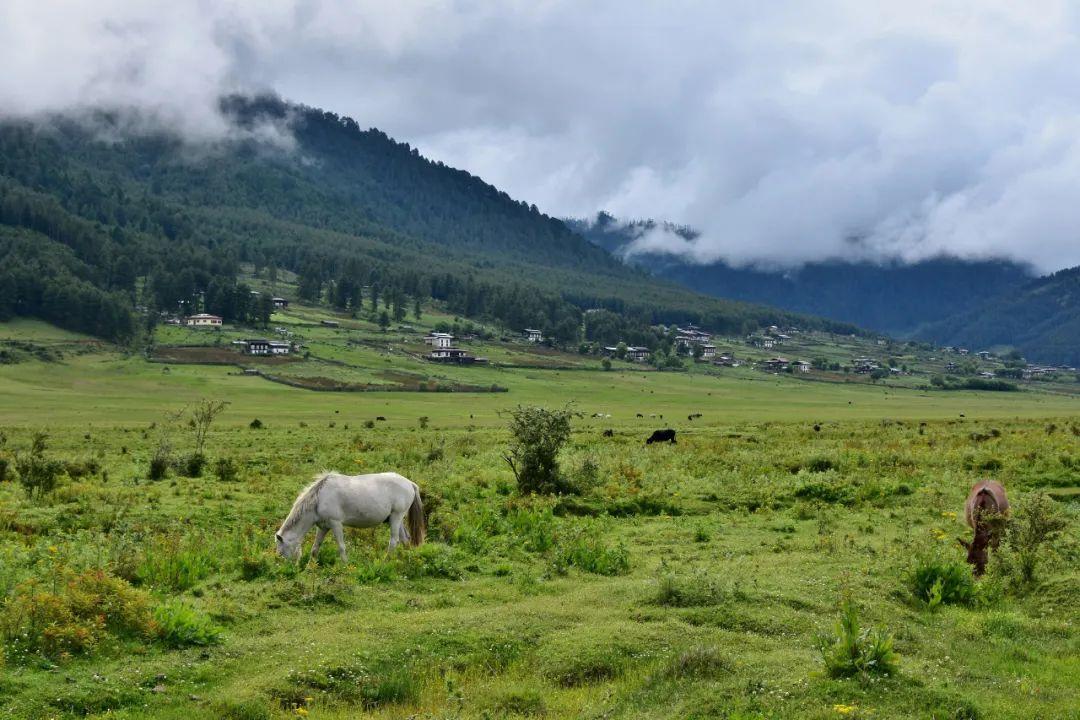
417	521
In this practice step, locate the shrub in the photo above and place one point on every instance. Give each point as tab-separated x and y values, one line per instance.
537	436
535	528
160	462
589	553
369	424
226	469
83	611
256	424
4	465
180	625
1036	523
38	474
424	419
192	465
935	581
375	570
854	651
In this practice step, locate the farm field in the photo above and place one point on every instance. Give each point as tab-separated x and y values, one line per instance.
678	581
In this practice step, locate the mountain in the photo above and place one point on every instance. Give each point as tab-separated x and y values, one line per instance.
101	213
1040	318
891	297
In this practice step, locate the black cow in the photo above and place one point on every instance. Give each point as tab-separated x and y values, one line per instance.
609	433
661	436
380	418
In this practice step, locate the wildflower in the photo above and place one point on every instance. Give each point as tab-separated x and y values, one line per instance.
302	712
949	515
844	709
53	550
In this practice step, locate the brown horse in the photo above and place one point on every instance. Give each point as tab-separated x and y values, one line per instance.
986	506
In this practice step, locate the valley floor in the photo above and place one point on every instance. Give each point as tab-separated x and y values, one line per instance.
683	581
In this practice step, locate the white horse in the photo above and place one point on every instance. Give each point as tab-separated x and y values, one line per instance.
333	501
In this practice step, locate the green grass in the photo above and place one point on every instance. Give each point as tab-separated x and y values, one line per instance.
702	589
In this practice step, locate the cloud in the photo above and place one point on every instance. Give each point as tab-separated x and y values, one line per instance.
784	132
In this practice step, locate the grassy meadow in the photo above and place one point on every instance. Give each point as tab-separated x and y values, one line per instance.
695	580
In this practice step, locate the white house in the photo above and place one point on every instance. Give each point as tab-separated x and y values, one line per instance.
802	366
280	303
637	354
534	335
708	351
278	347
439	340
203	320
257	347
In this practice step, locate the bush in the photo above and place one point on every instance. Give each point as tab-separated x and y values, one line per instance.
226	469
589	553
256	424
935	581
160	462
537	436
852	651
83	611
424	419
192	465
38	474
4	465
180	625
1036	523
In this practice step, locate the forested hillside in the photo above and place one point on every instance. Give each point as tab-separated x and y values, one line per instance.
1041	318
96	219
891	297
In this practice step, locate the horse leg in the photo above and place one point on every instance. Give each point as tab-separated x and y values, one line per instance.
339	536
396	529
319	535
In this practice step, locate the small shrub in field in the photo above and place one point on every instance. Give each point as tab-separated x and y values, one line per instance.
160	462
369	424
226	469
590	553
424	419
38	474
1029	537
852	651
534	528
82	611
537	436
4	465
935	581
370	571
180	625
192	465
257	424
825	492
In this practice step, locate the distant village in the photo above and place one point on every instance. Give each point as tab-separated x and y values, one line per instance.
688	341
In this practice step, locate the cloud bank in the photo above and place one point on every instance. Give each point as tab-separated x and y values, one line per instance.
784	132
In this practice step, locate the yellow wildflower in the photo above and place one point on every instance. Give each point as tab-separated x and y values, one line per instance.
302	712
844	709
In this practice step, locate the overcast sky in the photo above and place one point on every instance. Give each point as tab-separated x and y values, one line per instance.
784	131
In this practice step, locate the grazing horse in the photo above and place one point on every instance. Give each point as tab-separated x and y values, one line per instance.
333	501
661	436
986	505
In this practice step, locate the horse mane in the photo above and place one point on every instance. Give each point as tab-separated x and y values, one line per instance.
305	501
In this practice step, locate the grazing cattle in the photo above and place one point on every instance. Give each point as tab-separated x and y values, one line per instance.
817	428
667	435
984	510
691	416
380	418
640	415
609	433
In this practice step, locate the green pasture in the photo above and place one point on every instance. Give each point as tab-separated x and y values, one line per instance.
681	581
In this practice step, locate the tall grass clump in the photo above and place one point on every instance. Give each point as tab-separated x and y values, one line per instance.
853	651
935	581
585	550
168	565
180	625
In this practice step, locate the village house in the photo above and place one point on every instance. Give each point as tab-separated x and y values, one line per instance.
330	323
636	353
534	335
454	355
278	347
776	364
708	352
257	347
864	365
802	366
203	320
691	335
961	351
726	360
439	340
280	303
983	354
